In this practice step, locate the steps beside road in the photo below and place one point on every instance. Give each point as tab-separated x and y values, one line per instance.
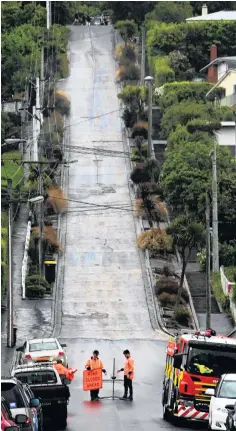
197	286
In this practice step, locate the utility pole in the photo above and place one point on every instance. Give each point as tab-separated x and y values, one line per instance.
143	56
149	80
48	6
10	285
40	213
215	239
208	263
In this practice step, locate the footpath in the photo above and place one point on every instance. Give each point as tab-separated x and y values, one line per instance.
220	321
31	316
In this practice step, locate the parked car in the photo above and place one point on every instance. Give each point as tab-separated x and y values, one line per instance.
14	393
231	417
47	385
222	395
7	422
30	395
45	349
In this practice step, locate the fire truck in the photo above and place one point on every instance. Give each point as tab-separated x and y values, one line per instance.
194	363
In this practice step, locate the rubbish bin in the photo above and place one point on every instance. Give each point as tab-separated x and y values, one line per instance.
50	270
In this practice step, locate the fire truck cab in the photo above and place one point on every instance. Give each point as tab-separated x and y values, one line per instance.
194	363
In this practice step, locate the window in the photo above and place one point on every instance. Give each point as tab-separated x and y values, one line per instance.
38	347
234	89
6	409
211	361
40	377
12	395
227	389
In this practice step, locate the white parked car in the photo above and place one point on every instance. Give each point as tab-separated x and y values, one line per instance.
42	350
222	395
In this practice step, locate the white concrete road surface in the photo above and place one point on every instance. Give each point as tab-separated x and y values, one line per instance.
103	303
104	295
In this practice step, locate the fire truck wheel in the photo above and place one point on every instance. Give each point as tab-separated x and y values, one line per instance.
166	414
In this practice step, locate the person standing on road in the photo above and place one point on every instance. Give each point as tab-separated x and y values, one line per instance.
128	375
95	363
76	19
88	20
62	371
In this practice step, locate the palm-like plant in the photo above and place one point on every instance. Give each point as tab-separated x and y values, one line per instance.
187	234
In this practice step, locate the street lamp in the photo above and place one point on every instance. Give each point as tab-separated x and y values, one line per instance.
149	80
10	335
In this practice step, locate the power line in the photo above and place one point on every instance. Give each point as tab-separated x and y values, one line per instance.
92	118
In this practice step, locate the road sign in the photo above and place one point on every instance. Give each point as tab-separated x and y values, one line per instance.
92	380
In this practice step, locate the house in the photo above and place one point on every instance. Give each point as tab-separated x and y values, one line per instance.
226	136
216	16
221	71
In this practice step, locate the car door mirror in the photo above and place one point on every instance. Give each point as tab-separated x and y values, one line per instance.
63	345
20	419
34	402
20	349
178	357
210	392
229	407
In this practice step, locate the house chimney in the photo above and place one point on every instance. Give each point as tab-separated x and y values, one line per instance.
212	70
204	10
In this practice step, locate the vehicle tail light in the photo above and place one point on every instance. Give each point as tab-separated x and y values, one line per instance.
61	354
28	421
27	356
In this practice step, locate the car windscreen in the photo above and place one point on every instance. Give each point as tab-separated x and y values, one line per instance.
38	347
227	389
12	395
211	360
37	377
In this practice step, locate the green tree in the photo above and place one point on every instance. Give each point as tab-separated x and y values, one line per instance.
170	11
134	96
187	234
194	40
182	113
125	10
127	29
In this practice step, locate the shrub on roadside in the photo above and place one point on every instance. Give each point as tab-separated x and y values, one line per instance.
35	286
170	286
155	240
166	299
130	72
126	52
62	102
182	315
140	129
129	117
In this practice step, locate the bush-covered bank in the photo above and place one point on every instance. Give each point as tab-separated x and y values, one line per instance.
190	43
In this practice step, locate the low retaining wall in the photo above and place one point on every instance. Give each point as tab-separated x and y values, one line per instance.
227	287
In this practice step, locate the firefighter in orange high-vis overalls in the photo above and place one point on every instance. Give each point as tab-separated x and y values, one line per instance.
93	364
128	375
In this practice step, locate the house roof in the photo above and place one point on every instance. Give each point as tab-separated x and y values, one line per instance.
220	81
231	61
216	16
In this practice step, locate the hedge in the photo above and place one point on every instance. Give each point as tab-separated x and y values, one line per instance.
177	92
193	39
162	71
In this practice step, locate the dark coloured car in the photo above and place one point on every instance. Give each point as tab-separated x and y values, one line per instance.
231	418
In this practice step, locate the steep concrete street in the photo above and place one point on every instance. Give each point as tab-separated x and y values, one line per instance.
103	302
103	288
